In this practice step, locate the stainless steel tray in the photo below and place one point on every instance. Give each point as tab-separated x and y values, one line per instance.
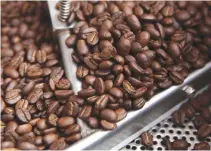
135	120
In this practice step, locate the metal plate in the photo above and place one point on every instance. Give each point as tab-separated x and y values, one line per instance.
165	128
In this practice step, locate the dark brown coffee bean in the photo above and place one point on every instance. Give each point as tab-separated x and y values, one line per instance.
106	64
65	121
28	88
56	74
119	80
77	99
82	48
50	138
167	143
108	115
108	52
13	96
24	129
90	62
59	144
138	103
178	117
202	146
108	85
99	85
38	140
133	22
72	129
27	146
168	11
73	138
189	110
23	115
199	121
147	139
85	112
42	124
143	60
204	131
101	102
206	113
107	125
11	72
53	107
176	77
52	119
180	144
11	126
90	79
71	108
63	84
182	16
35	95
148	17
121	114
124	46
87	92
116	92
41	56
71	40
63	94
93	122
82	71
137	69
128	87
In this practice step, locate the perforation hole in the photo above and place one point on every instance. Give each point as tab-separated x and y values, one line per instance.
171	131
167	136
184	138
155	142
154	130
151	148
128	146
195	132
159	148
190	127
186	121
162	131
138	142
166	125
179	132
143	148
170	120
134	148
192	138
187	132
158	136
158	124
174	125
175	137
208	139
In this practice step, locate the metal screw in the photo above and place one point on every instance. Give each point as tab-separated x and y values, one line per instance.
64	10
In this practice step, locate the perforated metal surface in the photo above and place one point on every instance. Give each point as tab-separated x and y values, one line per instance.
164	127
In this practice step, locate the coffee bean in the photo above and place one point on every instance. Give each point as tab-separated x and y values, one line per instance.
42	124
13	96
59	144
99	85
53	107
82	48
101	102
108	52
93	122
65	121
11	72
73	138
23	115
71	40
11	126
7	144
50	138
128	87
147	139
72	129
121	113
34	96
204	131
63	94
182	16
82	72
71	108
77	99
52	119
167	143
116	92
180	144
28	88
108	115
87	92
202	146
178	117
22	104
85	112
107	125
138	103
27	146
23	129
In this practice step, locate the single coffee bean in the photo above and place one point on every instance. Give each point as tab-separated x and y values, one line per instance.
202	146
108	115
77	99
63	84
128	87
71	40
63	94
180	144
85	112
42	124
35	95
167	143
59	144
22	104
24	129
107	125
72	129
50	138
101	102
116	92
13	96
178	117
53	107
27	146
28	88
71	108
11	126
133	22
11	72
90	62
52	119
204	131
199	121
82	72
121	114
65	121
82	48
189	110
87	92
147	139
108	52
182	16
93	122
73	138
138	103
7	144
23	115
99	85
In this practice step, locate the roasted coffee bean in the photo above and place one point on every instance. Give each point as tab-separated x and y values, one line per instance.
121	114
182	16
24	129
63	94
167	143
13	96
71	40
119	80
82	72
189	110
50	138
82	48
139	92
199	121
72	129
7	144
138	103
202	146
206	113
23	115
65	121
87	92
77	99
73	138
128	87
180	144
71	108
59	144
42	124
93	122
27	146
204	131
116	92
108	52
176	77
63	84
34	96
85	112
52	119
108	115
11	72
178	117
99	85
11	126
147	139
101	102
107	125
53	107
22	104
28	88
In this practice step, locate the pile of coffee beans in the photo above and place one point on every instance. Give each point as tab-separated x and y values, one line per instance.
127	51
35	111
198	111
